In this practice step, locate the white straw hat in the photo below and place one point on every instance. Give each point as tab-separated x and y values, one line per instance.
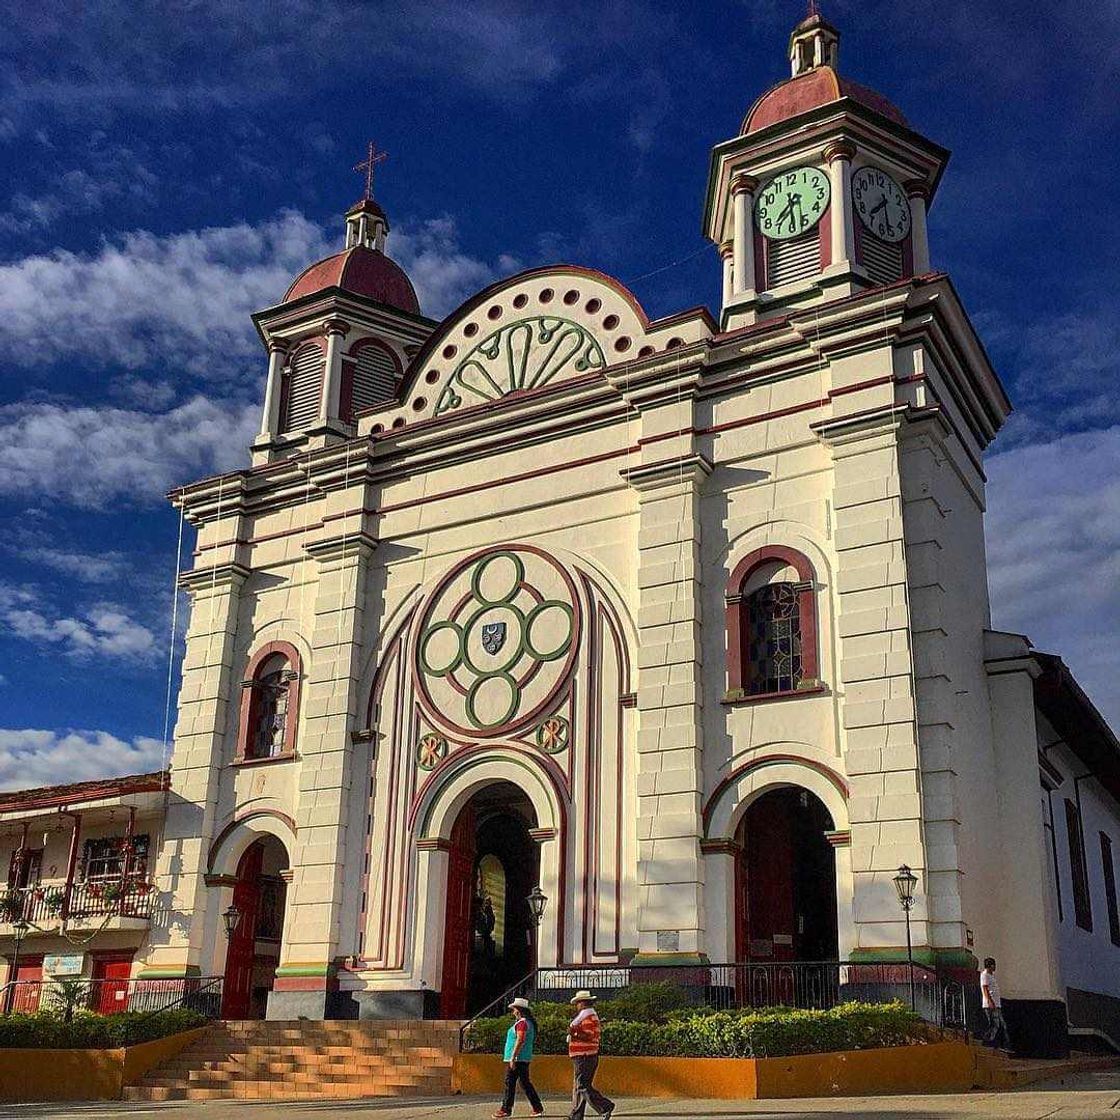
521	1003
583	996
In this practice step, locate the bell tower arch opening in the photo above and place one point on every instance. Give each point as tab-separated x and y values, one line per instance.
490	933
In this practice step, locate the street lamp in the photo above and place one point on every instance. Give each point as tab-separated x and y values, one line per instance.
231	916
905	882
20	927
537	901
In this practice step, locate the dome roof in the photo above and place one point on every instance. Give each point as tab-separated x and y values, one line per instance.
809	90
361	271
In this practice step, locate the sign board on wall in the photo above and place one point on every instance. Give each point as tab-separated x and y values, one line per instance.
64	964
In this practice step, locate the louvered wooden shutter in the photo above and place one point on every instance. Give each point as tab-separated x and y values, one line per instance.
794	259
304	389
882	260
375	378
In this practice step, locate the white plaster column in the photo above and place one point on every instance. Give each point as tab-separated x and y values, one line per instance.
839	157
918	192
332	374
742	201
201	742
726	254
671	913
319	863
270	417
720	858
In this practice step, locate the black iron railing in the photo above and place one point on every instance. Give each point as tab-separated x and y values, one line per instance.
107	997
938	998
49	904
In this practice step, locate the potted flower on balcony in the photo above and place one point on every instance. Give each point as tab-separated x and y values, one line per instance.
11	905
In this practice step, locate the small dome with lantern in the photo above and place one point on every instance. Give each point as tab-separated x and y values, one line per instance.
813	49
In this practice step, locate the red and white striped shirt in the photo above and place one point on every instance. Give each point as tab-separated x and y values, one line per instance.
583	1034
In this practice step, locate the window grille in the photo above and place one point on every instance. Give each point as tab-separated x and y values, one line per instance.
375	378
794	259
304	389
270	727
1079	871
105	857
773	661
882	260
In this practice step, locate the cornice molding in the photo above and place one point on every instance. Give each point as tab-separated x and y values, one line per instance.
215	575
693	468
346	546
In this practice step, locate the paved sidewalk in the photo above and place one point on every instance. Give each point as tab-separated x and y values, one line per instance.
1087	1096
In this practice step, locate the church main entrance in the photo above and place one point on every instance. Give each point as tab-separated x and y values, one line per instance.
785	887
254	947
493	865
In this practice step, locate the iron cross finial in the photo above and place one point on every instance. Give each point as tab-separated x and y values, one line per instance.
814	9
373	158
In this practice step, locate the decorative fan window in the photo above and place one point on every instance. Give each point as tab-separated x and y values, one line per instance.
771	625
373	379
270	704
303	388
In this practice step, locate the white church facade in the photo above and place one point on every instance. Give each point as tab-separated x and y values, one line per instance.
681	623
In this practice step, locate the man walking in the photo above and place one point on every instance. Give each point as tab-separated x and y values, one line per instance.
583	1049
997	1035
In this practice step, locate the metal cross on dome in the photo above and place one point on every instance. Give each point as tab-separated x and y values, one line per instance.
373	158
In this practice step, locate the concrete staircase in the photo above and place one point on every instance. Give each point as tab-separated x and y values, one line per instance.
307	1060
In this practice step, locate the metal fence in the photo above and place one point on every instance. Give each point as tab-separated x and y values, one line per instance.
939	999
107	997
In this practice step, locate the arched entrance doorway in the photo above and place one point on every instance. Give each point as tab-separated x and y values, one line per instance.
493	864
254	947
785	890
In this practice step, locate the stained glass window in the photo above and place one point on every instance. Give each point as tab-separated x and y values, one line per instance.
272	700
773	638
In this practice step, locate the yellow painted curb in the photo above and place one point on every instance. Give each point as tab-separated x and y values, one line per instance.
932	1068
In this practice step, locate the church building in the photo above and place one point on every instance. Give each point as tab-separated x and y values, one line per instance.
678	627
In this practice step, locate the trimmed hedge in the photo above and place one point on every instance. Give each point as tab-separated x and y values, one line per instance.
44	1030
770	1032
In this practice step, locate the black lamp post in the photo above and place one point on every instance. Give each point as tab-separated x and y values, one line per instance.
537	901
20	927
232	917
905	882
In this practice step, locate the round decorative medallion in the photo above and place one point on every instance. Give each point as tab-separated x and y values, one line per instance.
431	750
552	735
497	641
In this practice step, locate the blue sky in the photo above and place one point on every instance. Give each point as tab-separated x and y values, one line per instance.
167	168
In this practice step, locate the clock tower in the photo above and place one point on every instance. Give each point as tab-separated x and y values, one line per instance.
823	192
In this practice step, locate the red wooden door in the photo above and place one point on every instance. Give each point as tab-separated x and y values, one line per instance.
24	996
111	994
457	935
770	918
237	987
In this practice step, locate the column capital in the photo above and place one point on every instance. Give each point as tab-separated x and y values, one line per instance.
838	149
649	476
346	546
916	188
278	346
741	183
726	249
336	326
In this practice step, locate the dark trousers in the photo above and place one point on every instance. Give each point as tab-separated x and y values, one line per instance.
519	1072
584	1092
996	1035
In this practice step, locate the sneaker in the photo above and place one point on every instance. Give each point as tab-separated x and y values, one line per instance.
539	1112
499	1115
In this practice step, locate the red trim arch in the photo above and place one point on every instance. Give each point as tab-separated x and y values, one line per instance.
245	723
736	613
252	814
826	772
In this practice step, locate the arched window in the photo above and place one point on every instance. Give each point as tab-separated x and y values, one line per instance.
771	625
369	379
302	389
270	704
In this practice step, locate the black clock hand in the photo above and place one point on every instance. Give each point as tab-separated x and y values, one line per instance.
787	212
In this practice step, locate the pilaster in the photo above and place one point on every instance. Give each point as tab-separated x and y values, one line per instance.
671	921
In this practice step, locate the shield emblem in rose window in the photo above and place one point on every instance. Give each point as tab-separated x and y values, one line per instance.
493	636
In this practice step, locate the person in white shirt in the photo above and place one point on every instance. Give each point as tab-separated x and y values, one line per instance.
996	1035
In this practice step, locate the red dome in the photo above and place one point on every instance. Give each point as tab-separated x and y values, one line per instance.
362	272
808	91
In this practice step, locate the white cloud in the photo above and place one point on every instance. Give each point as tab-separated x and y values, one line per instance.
103	629
184	301
92	456
89	567
1053	538
30	758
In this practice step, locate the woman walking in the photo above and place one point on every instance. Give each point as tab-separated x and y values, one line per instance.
518	1054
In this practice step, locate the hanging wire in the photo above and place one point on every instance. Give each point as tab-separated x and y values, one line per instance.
171	650
665	267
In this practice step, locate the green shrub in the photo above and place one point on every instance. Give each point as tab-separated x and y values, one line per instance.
48	1030
770	1032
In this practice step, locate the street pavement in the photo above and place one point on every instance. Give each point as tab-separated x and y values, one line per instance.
1085	1096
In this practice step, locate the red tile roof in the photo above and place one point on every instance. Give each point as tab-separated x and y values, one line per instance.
808	91
47	796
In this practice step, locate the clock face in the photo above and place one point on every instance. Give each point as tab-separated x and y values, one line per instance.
881	204
792	203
